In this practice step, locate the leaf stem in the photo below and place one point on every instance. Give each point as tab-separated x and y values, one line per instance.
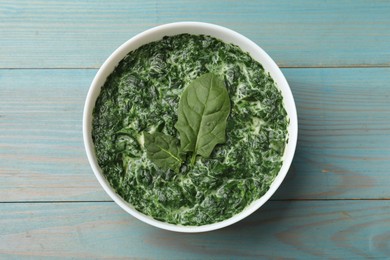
171	154
193	158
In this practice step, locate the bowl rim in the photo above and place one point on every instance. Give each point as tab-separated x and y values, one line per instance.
226	35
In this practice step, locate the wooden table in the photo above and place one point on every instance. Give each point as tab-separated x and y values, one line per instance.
335	202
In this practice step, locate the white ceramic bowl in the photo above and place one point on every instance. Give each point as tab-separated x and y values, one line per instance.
227	36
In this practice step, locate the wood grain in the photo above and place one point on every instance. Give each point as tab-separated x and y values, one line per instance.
82	34
343	149
301	230
343	146
41	148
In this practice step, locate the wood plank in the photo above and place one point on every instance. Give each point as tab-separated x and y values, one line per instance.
343	148
81	34
41	148
289	229
344	143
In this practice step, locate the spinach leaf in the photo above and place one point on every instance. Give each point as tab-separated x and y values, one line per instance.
163	151
203	110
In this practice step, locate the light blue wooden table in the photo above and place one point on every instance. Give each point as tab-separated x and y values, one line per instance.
335	202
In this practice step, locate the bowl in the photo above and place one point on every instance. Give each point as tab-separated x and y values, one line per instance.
228	36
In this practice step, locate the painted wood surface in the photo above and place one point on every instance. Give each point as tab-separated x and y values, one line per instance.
298	229
335	201
42	154
344	134
79	34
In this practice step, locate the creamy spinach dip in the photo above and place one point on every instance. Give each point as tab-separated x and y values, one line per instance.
142	96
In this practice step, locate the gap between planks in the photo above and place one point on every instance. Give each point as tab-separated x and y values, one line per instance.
282	67
110	201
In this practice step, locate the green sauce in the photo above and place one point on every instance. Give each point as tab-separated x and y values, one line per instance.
142	95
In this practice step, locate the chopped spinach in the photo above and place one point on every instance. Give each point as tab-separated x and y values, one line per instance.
142	95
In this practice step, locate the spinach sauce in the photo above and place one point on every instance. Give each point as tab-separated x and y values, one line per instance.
142	95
